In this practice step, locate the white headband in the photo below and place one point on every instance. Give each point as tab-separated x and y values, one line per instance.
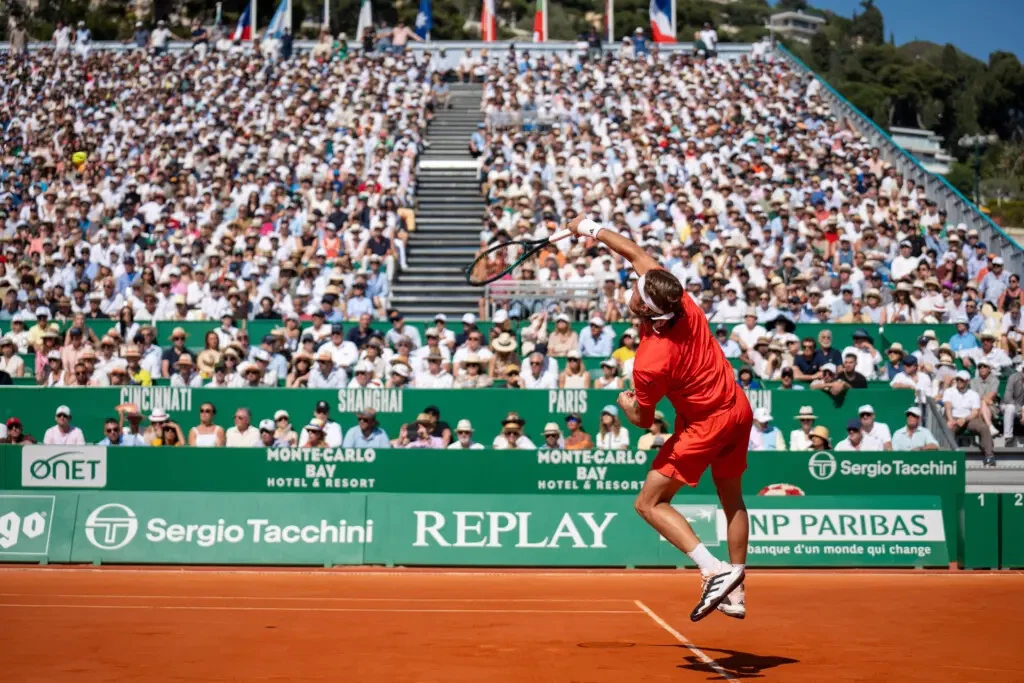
641	287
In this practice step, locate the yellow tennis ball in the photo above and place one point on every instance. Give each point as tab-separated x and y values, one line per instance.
78	158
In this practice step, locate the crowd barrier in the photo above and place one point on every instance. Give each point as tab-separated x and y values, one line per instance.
486	408
546	477
446	529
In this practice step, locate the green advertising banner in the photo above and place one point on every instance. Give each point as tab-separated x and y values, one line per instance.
36	527
604	531
469	530
485	408
199	528
309	470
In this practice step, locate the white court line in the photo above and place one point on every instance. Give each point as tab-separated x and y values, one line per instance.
198	571
685	641
306	598
225	608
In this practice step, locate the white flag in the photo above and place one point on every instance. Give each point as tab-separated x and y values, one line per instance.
365	19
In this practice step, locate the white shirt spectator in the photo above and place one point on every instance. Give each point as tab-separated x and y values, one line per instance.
922	384
500	443
962	404
250	438
337	379
55	437
867	443
613	440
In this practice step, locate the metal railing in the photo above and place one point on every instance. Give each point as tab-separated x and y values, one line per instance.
958	208
935	421
526	297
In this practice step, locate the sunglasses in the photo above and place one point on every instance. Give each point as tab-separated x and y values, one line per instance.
282	419
364	419
511	432
513	374
111	430
239	417
463	432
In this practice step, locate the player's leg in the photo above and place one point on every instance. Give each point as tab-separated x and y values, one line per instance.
653	503
730	495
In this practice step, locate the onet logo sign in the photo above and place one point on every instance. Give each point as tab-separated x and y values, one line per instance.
58	467
111	526
822	465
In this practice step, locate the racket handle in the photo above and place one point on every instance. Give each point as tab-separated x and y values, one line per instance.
560	235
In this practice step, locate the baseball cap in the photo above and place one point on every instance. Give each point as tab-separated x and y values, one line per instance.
853	424
468	319
63	410
964	375
281	413
267	426
322	407
464	426
828	367
913	410
866	408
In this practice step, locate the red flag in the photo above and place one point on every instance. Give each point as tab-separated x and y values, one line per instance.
488	23
540	22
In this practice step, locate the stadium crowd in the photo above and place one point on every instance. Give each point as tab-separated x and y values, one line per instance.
218	184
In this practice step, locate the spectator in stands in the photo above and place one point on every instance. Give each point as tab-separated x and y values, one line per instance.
879	431
627	346
856	440
986	385
332	434
540	372
963	413
820	439
401	375
1013	404
786	381
912	436
595	341
563	339
417	435
848	374
552	436
997	358
577	438
609	378
894	362
1012	327
504	348
575	376
314	435
368	433
473	346
611	435
435	376
207	434
656	435
826	353
729	346
113	436
964	339
912	378
511	436
302	366
863	349
242	434
325	374
10	362
464	437
800	439
746	380
174	352
63	433
472	376
170	435
185	375
764	436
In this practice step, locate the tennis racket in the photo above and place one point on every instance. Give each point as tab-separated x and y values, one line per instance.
513	254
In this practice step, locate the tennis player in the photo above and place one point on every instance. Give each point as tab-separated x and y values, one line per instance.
678	358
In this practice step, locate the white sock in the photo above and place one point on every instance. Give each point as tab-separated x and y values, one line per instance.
703	558
741	566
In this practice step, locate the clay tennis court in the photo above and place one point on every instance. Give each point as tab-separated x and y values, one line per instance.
403	626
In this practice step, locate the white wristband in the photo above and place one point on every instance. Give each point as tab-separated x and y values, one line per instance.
589	228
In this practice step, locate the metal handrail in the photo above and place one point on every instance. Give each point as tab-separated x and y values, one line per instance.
959	209
533	296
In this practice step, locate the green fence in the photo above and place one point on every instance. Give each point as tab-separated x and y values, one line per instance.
419	472
478	530
36	406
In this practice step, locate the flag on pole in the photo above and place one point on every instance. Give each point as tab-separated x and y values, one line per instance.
425	19
488	23
661	21
279	22
244	29
365	19
540	22
219	20
609	20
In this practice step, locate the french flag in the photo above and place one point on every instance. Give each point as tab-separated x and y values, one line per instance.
661	21
244	29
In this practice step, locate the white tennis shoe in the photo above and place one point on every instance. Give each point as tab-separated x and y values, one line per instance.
716	587
735	604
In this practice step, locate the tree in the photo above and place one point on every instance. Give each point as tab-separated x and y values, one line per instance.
792	5
870	25
821	52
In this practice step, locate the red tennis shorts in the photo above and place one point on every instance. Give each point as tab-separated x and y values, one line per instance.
718	441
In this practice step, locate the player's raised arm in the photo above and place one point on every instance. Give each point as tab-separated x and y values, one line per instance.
623	246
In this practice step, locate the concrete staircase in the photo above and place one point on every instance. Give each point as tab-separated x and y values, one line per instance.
448	217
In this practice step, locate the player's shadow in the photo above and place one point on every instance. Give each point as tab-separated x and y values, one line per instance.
736	664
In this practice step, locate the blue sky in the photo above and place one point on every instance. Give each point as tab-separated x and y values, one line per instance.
977	27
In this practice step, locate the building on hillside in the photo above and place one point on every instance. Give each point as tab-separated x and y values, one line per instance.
795	25
926	147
